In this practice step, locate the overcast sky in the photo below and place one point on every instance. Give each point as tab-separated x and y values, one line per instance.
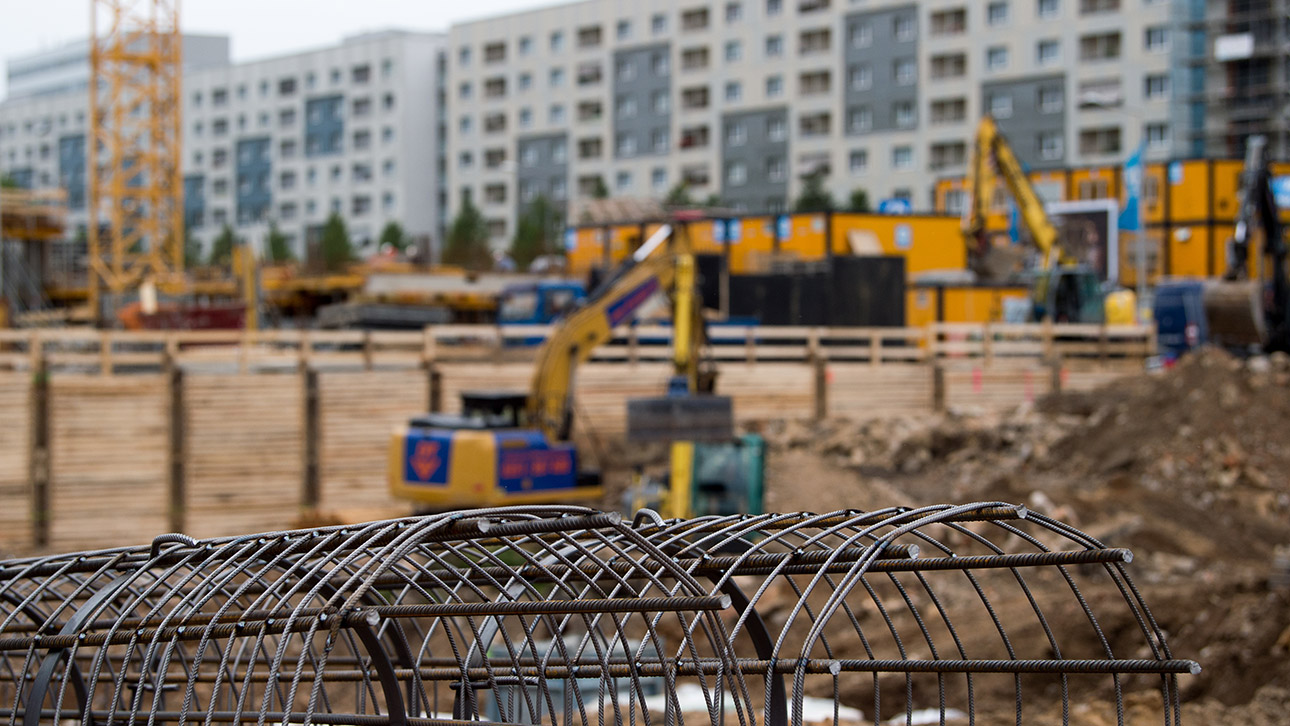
257	28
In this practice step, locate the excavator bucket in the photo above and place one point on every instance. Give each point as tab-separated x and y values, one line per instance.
1234	311
695	417
997	263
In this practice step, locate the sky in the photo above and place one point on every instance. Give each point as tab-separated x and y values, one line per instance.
257	28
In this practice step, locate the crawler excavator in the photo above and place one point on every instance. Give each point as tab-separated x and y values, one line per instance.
1062	289
516	447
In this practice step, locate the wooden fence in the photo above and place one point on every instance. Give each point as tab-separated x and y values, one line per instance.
108	352
92	460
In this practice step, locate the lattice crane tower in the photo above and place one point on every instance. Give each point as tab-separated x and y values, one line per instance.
136	184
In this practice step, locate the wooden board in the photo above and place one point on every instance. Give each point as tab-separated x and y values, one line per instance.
769	390
15	492
245	456
108	454
996	388
359	412
858	391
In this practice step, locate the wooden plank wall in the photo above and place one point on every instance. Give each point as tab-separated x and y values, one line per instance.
861	392
108	456
996	388
769	390
15	488
359	412
244	452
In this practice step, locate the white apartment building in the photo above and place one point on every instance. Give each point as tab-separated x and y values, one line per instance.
743	98
352	128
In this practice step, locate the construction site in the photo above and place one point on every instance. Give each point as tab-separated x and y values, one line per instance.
706	467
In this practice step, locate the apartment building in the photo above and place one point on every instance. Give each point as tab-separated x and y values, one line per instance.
744	98
352	129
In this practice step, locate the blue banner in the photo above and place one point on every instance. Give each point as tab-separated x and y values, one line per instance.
1129	220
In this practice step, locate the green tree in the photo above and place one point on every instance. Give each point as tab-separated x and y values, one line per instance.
713	200
537	233
678	196
222	248
814	197
393	235
276	248
192	250
859	202
468	239
337	251
600	190
8	182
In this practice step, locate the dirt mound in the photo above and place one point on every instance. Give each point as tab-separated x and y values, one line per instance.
1189	467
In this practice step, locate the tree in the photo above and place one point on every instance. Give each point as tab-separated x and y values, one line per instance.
468	238
859	202
713	200
192	250
8	182
814	197
393	236
276	248
334	244
599	190
678	196
222	248
537	233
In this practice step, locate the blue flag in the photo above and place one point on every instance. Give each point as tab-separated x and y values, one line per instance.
1133	171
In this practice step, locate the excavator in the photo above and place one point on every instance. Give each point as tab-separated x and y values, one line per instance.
516	447
1062	289
1249	308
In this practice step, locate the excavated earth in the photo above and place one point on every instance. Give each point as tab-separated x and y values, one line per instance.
1189	468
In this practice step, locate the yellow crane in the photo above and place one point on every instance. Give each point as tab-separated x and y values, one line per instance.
1063	290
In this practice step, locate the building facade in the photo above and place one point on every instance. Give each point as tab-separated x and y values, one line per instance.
352	129
742	99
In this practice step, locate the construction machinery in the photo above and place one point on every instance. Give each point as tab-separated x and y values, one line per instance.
508	447
1062	288
1249	308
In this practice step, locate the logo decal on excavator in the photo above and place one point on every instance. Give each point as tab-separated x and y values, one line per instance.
425	459
623	307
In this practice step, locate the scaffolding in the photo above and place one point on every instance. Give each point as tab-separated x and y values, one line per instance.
135	179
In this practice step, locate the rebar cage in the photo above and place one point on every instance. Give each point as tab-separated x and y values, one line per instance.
566	615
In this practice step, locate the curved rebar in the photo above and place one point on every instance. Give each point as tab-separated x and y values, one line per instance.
566	615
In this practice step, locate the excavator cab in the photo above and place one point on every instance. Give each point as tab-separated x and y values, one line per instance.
1069	295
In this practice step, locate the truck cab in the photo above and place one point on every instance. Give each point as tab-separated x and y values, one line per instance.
538	303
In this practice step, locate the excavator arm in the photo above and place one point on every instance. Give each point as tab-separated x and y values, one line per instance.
651	269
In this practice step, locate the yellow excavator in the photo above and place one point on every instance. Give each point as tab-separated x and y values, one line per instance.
1062	289
515	447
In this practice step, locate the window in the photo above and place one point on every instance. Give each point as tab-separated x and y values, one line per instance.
287	118
736	134
1050	100
859	120
495	88
557	41
948	154
362	107
1157	86
1157	135
1048	52
860	77
1050	146
555	115
623	180
658	23
464	125
736	174
558	152
775	169
774	46
903	114
696	19
658	100
624	29
626	69
903	27
733	90
996	13
590	110
387	135
694	98
526	117
463	90
659	63
733	51
362	140
556	77
589	148
1156	39
949	110
950	65
734	12
589	36
1103	46
996	58
693	59
1046	9
526	44
814	41
658	141
287	87
625	144
1099	140
624	107
902	157
774	86
949	22
1101	93
658	177
776	129
361	74
1091	7
815	124
814	83
905	71
1000	104
525	81
694	137
860	35
287	180
463	58
774	7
